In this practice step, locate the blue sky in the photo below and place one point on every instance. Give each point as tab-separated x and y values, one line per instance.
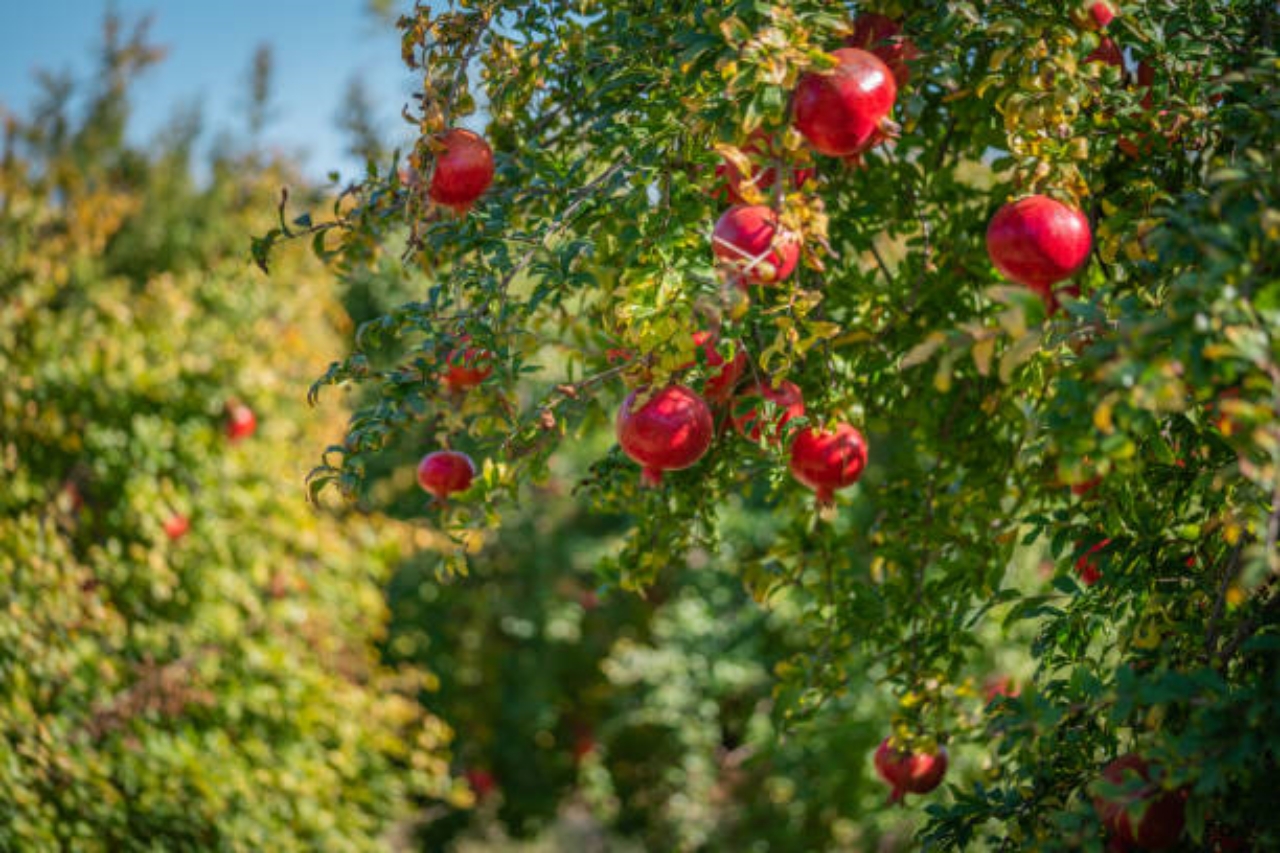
317	48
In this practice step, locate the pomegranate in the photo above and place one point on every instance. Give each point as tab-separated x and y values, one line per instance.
176	526
1160	814
1107	52
749	421
241	422
464	170
828	460
670	432
445	472
840	111
749	242
909	772
1086	567
1039	242
1094	15
467	367
482	782
882	36
762	177
999	685
720	383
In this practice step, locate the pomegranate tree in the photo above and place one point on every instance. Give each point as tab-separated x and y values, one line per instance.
1140	815
1039	242
750	244
827	460
748	419
839	112
445	472
670	431
463	170
908	772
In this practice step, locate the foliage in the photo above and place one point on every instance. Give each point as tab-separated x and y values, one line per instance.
1001	433
187	652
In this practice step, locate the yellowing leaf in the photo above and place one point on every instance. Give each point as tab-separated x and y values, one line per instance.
983	351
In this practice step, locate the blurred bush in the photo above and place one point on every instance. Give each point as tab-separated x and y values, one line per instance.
187	650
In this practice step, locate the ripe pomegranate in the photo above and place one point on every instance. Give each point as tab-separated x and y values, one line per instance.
1107	52
1094	16
176	526
838	112
444	472
467	367
1087	568
464	170
882	36
1162	813
719	384
909	772
750	244
482	782
671	431
999	685
241	422
749	421
827	460
1039	242
759	148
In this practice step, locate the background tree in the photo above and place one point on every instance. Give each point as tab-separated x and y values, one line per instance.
187	652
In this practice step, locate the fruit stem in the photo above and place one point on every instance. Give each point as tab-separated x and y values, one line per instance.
651	478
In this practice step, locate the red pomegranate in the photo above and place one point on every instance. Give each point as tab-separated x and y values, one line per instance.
1094	15
828	460
1039	242
1107	52
1163	813
444	472
750	244
759	149
909	772
1087	567
176	526
464	170
720	383
670	431
482	782
838	112
882	36
467	367
747	418
999	685
241	422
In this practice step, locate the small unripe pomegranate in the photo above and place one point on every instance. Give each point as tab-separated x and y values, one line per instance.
749	243
463	170
748	419
466	367
1163	812
838	112
759	148
241	422
671	431
882	36
720	383
176	526
828	460
1087	567
909	772
1039	242
445	472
